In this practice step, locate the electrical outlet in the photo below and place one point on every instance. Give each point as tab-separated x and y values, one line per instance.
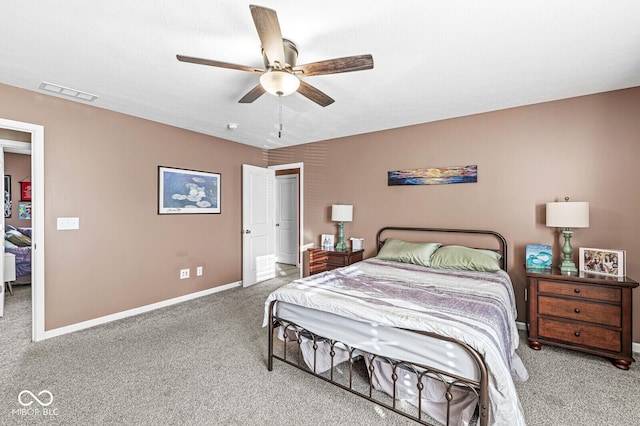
184	273
199	271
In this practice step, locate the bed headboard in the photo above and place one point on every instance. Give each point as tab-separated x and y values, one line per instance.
502	242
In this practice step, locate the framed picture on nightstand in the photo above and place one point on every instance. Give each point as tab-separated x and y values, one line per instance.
327	241
539	256
603	261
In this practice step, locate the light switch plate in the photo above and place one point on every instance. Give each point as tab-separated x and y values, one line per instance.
68	223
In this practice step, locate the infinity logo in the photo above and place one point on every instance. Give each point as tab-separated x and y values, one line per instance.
26	392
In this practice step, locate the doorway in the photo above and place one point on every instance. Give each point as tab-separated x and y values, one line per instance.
287	241
258	241
36	145
295	169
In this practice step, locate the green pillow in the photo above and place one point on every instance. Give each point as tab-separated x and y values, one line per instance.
466	258
18	239
406	252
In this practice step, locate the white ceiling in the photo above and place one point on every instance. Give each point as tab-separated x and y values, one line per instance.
432	59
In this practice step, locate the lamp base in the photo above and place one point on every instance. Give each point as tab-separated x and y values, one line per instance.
567	264
341	246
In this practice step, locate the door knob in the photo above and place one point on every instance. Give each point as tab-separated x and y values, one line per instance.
277	224
248	231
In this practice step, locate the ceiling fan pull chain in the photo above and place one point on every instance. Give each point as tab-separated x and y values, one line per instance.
280	116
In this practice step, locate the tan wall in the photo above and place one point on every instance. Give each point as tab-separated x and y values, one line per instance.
18	166
102	167
586	148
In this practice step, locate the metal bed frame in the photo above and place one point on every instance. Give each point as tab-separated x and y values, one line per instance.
422	372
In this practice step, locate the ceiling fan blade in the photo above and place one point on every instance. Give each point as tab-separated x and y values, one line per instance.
252	95
266	22
218	64
335	66
310	92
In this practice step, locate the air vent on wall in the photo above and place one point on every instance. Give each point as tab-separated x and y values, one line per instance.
73	93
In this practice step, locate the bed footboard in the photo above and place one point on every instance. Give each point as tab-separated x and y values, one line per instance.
364	376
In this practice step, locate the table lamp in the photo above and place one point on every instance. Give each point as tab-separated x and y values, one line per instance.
341	213
566	215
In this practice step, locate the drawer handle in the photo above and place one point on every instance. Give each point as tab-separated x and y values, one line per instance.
576	290
577	334
577	311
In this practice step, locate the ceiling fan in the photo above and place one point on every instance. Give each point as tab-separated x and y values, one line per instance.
281	76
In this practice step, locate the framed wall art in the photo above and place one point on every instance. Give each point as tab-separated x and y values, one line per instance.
182	191
603	261
24	211
7	196
25	191
433	176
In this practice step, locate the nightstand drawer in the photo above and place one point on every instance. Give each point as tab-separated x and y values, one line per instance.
316	268
319	258
580	310
338	259
580	334
603	293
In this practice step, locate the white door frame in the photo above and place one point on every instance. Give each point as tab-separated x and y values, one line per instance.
37	222
299	166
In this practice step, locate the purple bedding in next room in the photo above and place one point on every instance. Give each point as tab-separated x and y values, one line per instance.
18	242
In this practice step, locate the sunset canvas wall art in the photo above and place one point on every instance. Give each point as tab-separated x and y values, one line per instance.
433	176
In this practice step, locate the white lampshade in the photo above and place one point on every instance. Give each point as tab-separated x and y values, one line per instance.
279	83
568	214
341	213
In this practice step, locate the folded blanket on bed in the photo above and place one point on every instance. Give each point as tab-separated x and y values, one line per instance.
477	308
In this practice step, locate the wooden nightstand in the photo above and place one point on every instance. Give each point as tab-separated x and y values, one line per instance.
320	260
581	311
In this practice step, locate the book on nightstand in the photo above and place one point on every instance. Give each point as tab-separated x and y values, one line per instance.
538	256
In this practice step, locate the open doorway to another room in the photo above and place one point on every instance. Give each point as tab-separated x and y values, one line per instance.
17	171
287	232
16	297
27	140
288	191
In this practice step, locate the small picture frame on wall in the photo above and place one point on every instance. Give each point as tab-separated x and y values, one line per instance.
603	261
327	241
24	211
25	191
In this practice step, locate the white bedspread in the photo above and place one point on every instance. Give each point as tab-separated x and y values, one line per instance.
477	308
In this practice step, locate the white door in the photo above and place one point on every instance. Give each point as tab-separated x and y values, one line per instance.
287	219
258	225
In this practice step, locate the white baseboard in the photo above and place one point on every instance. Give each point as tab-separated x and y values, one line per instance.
135	311
635	346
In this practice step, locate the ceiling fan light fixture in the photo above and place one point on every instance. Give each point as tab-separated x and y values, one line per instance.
279	83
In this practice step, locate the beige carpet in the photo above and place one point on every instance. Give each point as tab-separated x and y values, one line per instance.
203	362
